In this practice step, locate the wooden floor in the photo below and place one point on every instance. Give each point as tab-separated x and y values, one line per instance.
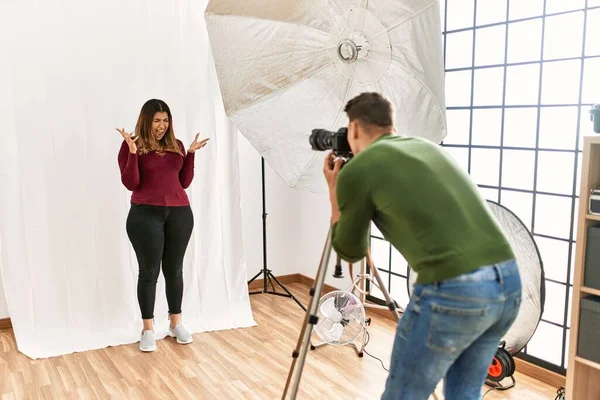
250	363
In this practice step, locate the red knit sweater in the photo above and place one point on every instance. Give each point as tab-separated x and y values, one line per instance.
157	180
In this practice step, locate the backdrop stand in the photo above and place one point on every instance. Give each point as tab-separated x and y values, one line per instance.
265	272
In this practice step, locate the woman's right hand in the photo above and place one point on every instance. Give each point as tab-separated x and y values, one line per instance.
129	140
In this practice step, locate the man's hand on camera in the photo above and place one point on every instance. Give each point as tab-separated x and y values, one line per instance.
331	169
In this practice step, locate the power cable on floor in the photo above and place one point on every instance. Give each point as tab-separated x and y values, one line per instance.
370	355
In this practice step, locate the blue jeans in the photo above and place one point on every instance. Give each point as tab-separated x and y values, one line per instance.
451	330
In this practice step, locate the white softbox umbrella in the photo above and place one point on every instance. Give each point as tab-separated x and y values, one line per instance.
286	67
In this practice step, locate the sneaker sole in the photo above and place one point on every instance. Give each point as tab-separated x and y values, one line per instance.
179	341
148	350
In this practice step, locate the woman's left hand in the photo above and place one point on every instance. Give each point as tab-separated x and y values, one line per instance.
197	144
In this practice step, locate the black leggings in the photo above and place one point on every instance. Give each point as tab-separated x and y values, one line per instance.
159	234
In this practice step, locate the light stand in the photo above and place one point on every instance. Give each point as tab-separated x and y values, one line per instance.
265	272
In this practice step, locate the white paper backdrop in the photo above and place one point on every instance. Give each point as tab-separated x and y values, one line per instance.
71	72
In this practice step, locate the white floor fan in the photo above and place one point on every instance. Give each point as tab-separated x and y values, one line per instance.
342	317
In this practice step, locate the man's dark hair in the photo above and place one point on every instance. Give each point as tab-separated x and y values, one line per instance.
370	108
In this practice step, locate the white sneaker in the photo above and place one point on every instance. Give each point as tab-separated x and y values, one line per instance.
148	341
182	335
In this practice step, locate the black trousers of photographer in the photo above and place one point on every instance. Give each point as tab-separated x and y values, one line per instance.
159	235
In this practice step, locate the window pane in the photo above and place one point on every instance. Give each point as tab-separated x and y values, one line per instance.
575	216
489	45
573	254
521	204
586	126
546	343
560	82
558	127
578	184
556	6
563	36
487	124
459	49
399	291
569	308
554	308
520	50
458	88
520	126
374	290
489	194
517	169
552	216
555	256
522	84
555	172
568	334
460	13
488	87
593	3
380	252
461	155
490	12
524	9
442	13
458	126
592	44
485	165
375	231
399	264
591	82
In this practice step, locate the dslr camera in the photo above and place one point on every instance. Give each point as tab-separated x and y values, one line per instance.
323	140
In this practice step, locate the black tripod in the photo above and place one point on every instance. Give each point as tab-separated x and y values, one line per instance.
266	273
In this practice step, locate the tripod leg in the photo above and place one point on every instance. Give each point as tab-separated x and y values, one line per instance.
288	292
271	282
299	354
390	303
255	276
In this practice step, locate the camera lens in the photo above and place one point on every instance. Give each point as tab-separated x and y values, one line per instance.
321	139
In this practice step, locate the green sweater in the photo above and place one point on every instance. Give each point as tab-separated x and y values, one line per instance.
423	203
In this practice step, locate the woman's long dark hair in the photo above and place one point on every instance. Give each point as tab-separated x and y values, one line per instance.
143	129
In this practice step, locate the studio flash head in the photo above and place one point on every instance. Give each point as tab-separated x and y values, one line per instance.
323	140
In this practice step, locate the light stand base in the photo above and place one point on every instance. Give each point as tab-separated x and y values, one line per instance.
269	277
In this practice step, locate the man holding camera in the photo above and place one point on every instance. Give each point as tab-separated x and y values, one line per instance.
468	289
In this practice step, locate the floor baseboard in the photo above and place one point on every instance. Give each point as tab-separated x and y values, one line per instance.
524	367
539	373
284	279
5	323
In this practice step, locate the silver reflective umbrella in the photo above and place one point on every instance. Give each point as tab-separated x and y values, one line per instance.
286	67
531	268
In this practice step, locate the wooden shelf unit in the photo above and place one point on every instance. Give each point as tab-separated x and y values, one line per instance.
583	376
